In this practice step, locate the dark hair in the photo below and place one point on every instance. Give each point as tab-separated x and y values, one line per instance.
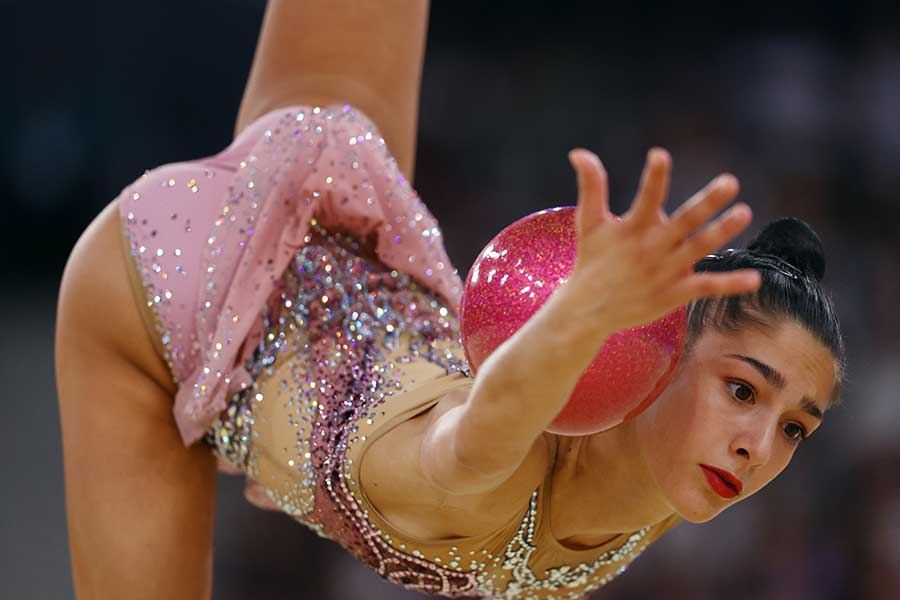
789	256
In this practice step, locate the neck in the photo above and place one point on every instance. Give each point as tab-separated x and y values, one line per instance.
602	486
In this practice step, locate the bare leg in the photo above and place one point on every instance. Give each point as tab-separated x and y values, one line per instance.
139	504
368	54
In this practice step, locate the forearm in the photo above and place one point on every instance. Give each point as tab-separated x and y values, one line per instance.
628	271
526	382
368	54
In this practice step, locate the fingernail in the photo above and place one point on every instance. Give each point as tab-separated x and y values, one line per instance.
572	155
755	278
738	211
725	179
657	153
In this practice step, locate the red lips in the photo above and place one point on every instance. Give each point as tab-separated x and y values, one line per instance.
727	476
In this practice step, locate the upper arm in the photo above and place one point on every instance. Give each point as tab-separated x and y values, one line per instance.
459	457
139	504
368	54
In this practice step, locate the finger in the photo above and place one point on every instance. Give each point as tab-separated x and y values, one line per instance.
593	189
654	187
701	206
702	285
711	237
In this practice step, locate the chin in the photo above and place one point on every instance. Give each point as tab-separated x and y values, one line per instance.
697	519
698	510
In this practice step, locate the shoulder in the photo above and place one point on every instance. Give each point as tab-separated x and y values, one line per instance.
394	482
99	298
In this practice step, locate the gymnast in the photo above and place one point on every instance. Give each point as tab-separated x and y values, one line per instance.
286	310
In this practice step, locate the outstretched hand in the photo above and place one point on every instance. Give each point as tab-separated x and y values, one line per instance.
634	269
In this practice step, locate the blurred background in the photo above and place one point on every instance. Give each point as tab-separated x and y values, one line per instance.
801	100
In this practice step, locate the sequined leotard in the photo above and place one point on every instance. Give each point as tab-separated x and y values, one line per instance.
302	298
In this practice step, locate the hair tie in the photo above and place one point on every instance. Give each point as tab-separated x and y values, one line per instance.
770	261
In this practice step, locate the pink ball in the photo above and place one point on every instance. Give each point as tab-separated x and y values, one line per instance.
515	274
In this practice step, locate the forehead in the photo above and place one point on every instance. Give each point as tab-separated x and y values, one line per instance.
806	363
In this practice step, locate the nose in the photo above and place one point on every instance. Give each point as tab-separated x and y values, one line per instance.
754	444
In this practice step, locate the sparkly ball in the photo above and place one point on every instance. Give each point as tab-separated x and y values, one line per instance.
515	274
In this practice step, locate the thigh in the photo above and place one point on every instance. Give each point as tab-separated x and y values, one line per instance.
139	504
368	54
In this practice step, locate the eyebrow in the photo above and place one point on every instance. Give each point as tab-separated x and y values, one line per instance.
778	381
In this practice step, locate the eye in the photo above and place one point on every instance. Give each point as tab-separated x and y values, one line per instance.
744	393
799	432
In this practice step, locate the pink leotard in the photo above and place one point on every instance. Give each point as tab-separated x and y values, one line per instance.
213	236
302	298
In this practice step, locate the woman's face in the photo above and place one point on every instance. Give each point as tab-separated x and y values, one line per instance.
722	411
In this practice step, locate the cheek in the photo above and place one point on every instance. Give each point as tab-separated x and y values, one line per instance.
675	425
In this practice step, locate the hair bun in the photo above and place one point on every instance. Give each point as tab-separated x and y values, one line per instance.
793	241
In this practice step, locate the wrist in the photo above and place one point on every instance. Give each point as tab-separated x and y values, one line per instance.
542	361
570	322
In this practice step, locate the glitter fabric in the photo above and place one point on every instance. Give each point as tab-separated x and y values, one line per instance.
352	350
356	332
212	237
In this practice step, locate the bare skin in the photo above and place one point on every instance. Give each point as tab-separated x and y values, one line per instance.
642	471
139	504
628	271
718	411
368	54
391	474
115	393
